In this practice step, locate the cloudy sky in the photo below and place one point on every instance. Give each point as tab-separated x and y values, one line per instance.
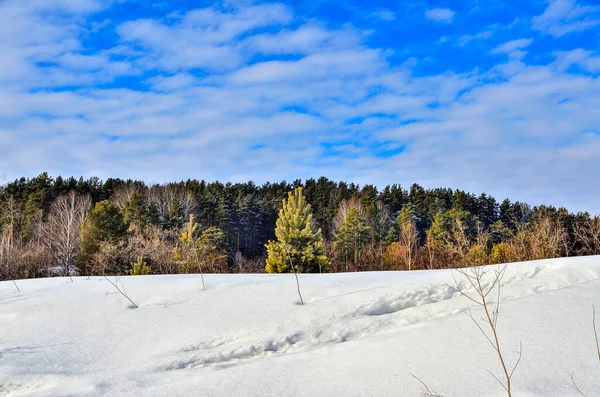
501	96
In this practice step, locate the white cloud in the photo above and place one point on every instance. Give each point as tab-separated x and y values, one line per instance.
317	66
580	57
302	40
516	130
467	38
201	38
566	16
444	15
174	82
384	15
512	46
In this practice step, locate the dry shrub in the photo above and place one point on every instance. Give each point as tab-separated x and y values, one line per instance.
547	239
256	265
156	246
587	234
25	261
476	256
392	257
370	258
501	253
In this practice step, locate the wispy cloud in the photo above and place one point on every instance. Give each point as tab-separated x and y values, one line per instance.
443	15
201	38
579	57
566	16
512	46
467	38
384	15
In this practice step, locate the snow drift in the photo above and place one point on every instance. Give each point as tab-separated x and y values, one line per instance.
359	334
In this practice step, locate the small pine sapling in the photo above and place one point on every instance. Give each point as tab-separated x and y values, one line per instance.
187	253
139	267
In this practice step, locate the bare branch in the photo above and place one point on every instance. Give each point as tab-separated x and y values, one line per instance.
495	377
519	359
575	386
121	290
480	328
596	331
295	273
427	392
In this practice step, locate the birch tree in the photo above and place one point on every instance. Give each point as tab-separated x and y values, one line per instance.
62	232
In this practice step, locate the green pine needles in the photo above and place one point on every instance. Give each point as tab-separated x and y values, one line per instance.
299	242
139	267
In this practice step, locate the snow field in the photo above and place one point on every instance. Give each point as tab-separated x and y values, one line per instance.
359	334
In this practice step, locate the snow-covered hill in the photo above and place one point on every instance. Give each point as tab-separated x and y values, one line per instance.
359	334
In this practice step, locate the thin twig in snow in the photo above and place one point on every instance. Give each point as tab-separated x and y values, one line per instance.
427	392
295	274
575	386
121	290
596	331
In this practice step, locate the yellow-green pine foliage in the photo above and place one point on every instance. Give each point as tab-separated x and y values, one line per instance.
477	255
298	240
186	253
501	253
139	268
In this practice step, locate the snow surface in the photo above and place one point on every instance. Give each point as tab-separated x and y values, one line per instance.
360	334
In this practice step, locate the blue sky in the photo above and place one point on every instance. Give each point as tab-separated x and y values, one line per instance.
495	96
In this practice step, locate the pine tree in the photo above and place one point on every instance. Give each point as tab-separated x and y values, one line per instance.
352	234
187	253
299	242
392	235
139	267
135	211
212	249
380	219
103	226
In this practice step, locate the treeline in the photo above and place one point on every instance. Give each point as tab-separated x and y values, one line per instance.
91	227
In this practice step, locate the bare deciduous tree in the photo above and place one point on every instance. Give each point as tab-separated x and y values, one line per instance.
171	197
547	238
122	195
409	241
458	239
344	209
7	239
588	235
62	232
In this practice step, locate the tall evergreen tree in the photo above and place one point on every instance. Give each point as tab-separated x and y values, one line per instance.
104	225
299	243
351	235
